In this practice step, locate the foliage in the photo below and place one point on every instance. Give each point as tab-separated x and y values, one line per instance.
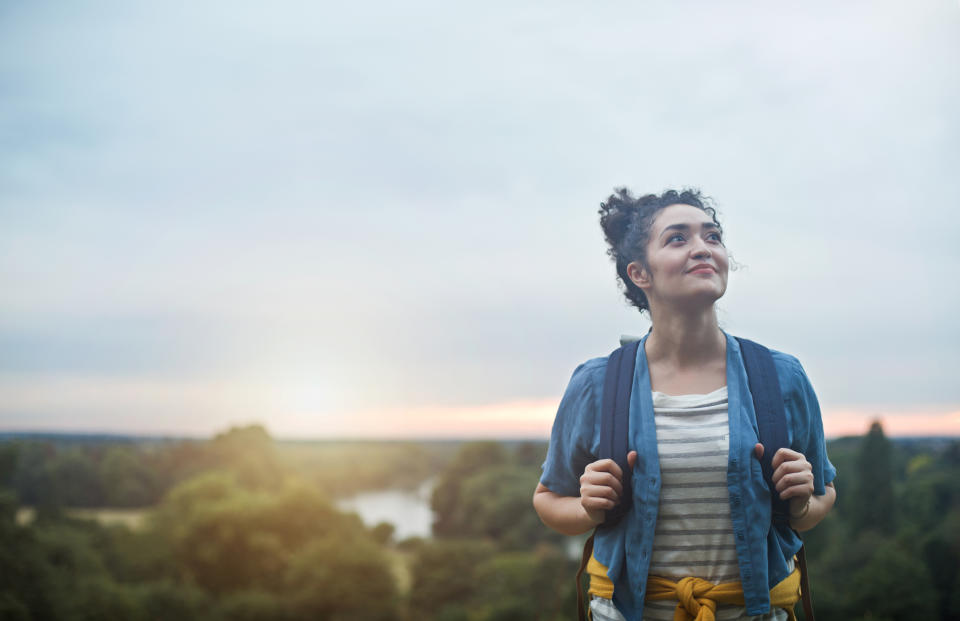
243	528
127	480
243	539
471	459
49	474
355	581
486	493
443	575
345	468
469	579
872	496
894	585
166	599
891	550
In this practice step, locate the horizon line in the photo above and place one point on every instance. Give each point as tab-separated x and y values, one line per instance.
156	435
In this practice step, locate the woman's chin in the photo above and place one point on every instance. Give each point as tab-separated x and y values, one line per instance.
697	300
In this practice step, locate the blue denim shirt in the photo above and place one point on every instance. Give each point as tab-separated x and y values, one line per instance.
763	551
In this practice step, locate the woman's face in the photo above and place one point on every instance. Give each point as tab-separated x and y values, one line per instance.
686	259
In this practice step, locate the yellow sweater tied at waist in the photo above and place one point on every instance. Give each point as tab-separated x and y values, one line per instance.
698	598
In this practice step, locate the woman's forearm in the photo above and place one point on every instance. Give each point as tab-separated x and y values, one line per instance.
819	508
564	514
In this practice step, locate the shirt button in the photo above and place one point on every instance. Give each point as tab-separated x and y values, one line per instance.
653	483
643	554
740	535
736	501
746	575
733	462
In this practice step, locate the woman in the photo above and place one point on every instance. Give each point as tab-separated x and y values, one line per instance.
701	507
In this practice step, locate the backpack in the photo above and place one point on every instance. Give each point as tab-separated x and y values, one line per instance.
771	423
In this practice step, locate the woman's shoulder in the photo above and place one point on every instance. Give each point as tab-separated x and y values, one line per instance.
592	367
787	362
589	375
790	373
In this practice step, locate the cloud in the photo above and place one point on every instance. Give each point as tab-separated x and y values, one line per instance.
356	194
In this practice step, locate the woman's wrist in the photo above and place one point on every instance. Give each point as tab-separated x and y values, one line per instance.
815	509
799	515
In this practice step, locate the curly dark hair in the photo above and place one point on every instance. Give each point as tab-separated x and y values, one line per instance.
626	223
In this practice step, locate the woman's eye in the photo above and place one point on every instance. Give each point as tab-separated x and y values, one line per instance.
675	237
715	237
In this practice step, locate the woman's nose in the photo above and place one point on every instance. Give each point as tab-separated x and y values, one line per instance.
701	250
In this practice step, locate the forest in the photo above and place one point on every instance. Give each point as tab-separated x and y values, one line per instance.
245	527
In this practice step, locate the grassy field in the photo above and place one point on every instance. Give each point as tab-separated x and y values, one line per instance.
132	518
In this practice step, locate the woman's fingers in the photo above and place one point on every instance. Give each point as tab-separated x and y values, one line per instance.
785	455
797	491
601	484
790	467
598	496
605	465
792	474
601	479
796	480
603	472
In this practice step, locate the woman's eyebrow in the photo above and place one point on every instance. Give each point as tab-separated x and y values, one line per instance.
686	227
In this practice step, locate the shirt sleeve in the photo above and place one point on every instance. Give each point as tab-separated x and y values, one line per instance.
572	440
803	412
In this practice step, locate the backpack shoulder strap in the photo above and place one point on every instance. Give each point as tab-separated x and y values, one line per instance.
614	431
772	425
771	416
615	420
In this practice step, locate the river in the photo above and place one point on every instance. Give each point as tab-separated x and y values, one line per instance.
408	510
410	513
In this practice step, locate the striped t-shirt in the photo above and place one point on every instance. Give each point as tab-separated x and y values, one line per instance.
694	534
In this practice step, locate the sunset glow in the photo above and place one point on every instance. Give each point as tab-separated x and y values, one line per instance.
533	419
857	422
206	408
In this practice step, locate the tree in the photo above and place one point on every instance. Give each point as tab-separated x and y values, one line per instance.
290	548
383	533
340	578
531	453
524	585
249	453
872	497
33	478
893	585
941	555
127	481
168	600
471	458
222	535
495	502
9	454
444	577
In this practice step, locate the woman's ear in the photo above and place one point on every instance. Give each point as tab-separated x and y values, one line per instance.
638	274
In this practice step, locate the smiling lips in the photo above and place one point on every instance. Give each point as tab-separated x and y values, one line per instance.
703	268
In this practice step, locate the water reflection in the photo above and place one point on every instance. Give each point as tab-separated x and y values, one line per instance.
408	510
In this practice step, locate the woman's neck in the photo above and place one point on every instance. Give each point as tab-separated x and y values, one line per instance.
683	340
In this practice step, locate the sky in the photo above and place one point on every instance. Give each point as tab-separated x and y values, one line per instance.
380	219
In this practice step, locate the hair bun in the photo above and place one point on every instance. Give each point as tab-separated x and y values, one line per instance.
616	215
